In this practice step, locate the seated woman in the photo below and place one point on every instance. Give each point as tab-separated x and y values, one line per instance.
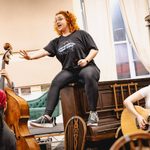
75	49
7	137
139	95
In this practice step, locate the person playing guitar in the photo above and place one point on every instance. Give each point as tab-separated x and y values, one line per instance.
129	103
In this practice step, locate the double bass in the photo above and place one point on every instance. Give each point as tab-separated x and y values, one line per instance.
17	113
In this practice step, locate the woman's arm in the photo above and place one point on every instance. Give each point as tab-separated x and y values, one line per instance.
128	102
36	55
89	57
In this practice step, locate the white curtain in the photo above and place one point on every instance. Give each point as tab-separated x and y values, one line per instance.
100	27
134	12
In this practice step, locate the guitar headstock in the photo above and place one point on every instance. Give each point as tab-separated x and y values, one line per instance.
8	52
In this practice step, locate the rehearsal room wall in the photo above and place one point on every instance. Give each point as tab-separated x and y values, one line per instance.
28	24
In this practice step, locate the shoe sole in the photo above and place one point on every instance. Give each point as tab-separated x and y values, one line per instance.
92	124
46	125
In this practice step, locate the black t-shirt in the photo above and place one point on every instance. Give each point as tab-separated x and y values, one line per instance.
7	139
70	49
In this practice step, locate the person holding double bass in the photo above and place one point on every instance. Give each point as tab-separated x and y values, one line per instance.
7	137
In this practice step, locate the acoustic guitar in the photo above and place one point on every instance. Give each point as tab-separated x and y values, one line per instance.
129	124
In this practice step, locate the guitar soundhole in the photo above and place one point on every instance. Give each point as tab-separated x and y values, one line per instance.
148	119
146	127
148	123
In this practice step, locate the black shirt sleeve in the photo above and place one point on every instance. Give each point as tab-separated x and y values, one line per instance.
51	47
88	41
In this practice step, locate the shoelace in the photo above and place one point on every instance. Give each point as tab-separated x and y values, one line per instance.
43	120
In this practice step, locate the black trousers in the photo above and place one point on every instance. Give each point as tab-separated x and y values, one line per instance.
90	76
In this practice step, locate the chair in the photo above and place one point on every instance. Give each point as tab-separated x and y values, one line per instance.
75	133
136	141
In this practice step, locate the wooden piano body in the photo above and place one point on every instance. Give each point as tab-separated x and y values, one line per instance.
74	102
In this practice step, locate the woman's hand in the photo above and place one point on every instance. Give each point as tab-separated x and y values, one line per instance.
141	122
82	62
4	73
24	55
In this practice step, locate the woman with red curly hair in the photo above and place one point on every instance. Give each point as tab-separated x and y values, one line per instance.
7	137
75	49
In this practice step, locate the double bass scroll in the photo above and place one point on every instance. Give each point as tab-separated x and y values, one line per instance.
17	116
5	60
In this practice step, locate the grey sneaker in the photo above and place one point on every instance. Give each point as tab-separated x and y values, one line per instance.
44	121
93	118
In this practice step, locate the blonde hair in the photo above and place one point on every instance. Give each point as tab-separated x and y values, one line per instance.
71	21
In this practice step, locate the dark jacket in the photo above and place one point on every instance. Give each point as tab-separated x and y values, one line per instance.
7	138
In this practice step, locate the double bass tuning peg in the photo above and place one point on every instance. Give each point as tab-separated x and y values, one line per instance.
8	52
7	46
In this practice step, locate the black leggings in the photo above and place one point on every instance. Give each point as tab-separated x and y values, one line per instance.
90	76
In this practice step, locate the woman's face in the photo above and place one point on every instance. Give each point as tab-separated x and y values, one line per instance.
61	23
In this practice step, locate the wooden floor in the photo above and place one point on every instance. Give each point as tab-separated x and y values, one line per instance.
50	137
58	129
55	136
101	145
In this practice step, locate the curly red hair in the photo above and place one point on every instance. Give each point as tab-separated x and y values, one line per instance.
71	20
